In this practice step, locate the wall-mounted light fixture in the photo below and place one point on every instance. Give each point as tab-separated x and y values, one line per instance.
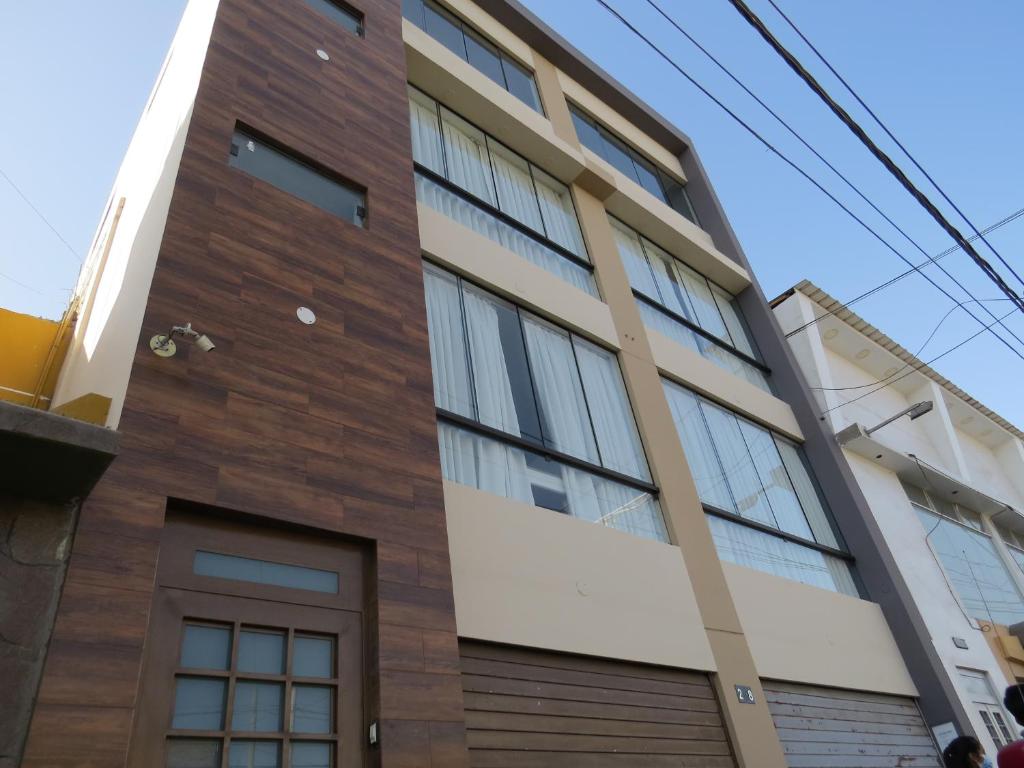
164	346
914	412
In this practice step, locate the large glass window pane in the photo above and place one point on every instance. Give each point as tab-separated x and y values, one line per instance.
487	224
632	253
504	470
618	154
648	177
199	703
311	754
193	753
810	499
612	416
521	83
567	425
254	754
560	222
789	517
261	651
339	14
764	552
426	131
445	28
587	133
969	559
448	359
744	483
703	302
501	374
311	708
264	572
484	57
465	150
257	706
678	199
295	177
516	195
673	296
206	647
701	456
738	332
413	10
313	656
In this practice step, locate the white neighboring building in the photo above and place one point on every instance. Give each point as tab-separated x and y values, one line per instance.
947	488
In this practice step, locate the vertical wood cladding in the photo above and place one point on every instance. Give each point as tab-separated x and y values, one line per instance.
330	426
533	709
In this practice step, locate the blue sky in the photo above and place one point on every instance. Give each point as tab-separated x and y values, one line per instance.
944	75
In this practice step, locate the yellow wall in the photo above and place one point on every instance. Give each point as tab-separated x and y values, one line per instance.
25	345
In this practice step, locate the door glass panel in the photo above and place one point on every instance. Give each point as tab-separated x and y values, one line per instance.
193	753
257	706
311	709
206	647
254	754
261	652
199	704
264	572
311	754
313	657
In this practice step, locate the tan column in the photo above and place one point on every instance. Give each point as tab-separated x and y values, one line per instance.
555	106
751	727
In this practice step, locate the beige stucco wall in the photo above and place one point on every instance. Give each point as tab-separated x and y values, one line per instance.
114	292
530	576
808	635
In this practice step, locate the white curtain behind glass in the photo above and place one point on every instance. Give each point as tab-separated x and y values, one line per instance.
808	494
703	302
705	468
466	152
633	258
617	436
447	343
486	464
559	214
751	501
733	321
789	517
426	132
495	405
516	195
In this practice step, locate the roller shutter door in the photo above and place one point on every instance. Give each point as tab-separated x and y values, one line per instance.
535	709
832	728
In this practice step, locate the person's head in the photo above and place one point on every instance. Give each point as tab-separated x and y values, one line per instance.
1014	702
963	752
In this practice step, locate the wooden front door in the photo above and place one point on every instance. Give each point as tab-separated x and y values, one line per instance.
255	651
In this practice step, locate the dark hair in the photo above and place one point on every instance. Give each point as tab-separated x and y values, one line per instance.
1014	701
959	750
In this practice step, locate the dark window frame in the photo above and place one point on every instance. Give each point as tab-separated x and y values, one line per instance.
357	18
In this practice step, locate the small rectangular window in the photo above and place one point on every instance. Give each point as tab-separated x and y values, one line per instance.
296	177
264	572
348	17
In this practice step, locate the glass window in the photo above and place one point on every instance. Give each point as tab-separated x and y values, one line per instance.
311	754
465	150
199	703
254	754
445	28
484	57
558	212
314	656
261	651
786	509
449	359
264	572
647	175
516	194
311	708
618	154
587	133
521	83
678	199
257	706
193	753
295	177
426	131
206	647
635	261
341	14
738	334
414	11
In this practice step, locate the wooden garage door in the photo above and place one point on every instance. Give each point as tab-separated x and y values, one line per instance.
534	709
831	728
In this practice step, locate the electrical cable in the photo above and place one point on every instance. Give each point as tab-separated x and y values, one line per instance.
799	170
899	144
916	368
915	354
40	215
952	249
882	157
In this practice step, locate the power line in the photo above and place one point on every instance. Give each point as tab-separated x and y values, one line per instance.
882	157
952	249
40	215
899	144
916	368
798	169
915	354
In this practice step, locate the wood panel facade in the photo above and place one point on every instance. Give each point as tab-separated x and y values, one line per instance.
328	427
832	728
535	709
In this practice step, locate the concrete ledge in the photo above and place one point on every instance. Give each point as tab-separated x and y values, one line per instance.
47	456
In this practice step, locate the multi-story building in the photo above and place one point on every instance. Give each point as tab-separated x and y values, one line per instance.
946	487
455	430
